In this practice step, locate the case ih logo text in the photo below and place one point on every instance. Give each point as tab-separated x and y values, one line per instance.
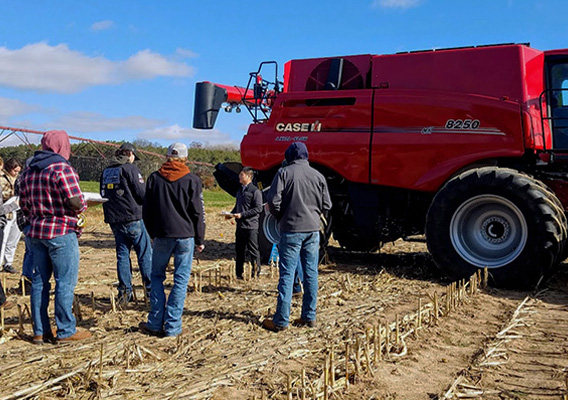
299	127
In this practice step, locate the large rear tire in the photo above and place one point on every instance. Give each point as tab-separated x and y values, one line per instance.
264	245
497	218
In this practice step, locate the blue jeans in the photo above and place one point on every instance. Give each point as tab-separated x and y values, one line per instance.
28	263
130	235
292	246
58	256
166	316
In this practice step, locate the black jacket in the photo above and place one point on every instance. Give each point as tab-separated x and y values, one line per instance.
123	185
174	209
249	205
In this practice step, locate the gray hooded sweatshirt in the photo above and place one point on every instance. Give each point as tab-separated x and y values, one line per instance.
298	194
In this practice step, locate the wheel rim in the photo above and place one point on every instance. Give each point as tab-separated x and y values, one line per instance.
488	231
271	229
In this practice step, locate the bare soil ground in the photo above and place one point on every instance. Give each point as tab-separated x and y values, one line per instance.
487	347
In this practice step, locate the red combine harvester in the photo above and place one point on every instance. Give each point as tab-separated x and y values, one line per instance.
467	145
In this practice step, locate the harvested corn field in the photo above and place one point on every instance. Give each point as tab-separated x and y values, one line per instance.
389	327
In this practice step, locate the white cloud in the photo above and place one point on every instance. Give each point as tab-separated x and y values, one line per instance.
396	3
86	122
42	67
102	25
187	135
146	64
11	108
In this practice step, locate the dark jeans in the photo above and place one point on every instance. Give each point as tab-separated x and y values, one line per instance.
128	235
28	264
246	241
2	295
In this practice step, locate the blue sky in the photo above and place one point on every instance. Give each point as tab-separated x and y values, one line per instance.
126	70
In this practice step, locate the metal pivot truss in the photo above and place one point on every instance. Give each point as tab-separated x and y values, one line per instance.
82	147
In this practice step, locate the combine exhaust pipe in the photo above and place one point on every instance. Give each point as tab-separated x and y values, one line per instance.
208	100
209	97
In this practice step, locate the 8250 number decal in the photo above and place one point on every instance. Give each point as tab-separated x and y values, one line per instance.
462	124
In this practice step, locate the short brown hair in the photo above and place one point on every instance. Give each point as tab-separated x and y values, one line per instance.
12	164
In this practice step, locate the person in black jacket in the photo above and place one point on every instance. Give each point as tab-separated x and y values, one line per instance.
123	185
174	215
247	213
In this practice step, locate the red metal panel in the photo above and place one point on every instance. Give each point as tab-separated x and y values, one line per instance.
341	143
415	146
489	71
533	86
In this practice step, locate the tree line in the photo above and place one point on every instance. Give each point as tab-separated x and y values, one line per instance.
90	159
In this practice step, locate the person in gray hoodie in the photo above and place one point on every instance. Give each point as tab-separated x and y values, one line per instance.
297	197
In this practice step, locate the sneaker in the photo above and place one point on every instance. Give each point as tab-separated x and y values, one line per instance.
269	325
303	322
8	268
143	327
79	335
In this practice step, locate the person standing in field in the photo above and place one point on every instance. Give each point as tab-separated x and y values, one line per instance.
12	233
51	200
175	218
297	197
4	303
247	213
123	185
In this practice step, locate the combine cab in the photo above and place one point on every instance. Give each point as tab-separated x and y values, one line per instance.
466	145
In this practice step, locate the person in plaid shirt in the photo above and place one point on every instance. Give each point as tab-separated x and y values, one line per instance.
51	200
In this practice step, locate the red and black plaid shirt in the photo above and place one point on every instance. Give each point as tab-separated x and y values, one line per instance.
42	199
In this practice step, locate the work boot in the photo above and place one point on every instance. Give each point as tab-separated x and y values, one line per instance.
79	335
269	325
303	322
143	327
47	338
8	268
